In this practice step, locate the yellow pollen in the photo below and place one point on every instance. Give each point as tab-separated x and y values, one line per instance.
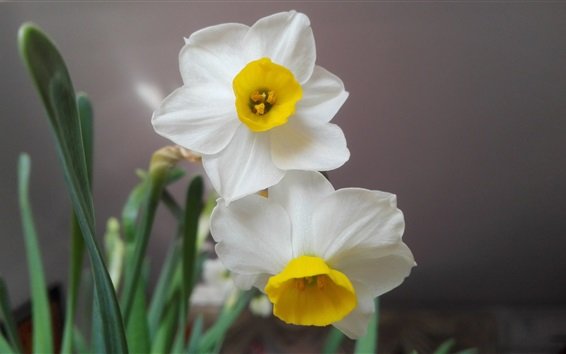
260	109
271	97
257	96
309	292
266	94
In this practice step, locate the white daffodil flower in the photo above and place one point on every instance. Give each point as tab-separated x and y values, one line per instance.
216	287
320	255
254	104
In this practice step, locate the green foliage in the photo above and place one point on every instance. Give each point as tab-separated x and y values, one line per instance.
42	329
8	320
333	341
368	343
49	74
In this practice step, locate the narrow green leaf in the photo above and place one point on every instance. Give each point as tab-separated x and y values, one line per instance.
368	343
7	317
97	334
193	209
166	331
75	272
137	330
132	207
77	243
227	317
51	78
445	347
161	292
468	351
157	180
79	342
5	346
196	332
42	329
333	341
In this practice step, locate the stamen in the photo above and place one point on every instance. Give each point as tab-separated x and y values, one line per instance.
321	281
257	96
260	109
261	101
300	283
271	97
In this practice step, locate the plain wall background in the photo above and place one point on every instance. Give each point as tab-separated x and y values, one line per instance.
457	107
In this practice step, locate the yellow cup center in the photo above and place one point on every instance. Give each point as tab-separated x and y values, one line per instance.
308	292
266	94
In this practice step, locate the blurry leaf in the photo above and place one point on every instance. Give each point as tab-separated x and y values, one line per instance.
75	271
193	210
115	250
131	209
333	341
79	343
229	314
42	330
196	332
157	180
368	343
445	347
54	86
468	351
7	318
5	346
137	330
166	331
161	291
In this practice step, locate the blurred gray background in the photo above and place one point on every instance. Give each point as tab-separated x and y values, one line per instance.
457	107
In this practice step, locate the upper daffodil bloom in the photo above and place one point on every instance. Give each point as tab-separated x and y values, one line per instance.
254	104
320	255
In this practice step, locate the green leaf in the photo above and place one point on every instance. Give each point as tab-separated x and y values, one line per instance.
7	318
75	272
468	351
5	346
368	343
138	330
196	332
229	314
79	343
333	340
115	250
131	209
193	209
50	76
166	331
445	347
157	180
161	292
42	330
77	243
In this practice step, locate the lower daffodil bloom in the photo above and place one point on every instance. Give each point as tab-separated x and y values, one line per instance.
254	104
320	255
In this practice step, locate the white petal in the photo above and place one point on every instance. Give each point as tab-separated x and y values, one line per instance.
353	217
253	235
287	39
380	269
355	325
213	54
300	146
298	192
243	167
246	281
189	118
323	95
